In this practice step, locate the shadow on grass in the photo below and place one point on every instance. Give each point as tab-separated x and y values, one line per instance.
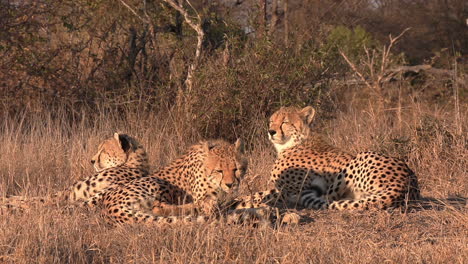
430	203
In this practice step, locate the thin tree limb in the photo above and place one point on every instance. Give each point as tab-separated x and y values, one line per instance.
356	70
200	36
133	11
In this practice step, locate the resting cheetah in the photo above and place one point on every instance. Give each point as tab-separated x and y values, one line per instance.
313	174
119	160
209	170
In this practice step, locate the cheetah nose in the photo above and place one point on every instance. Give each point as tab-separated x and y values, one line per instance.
93	161
271	132
229	185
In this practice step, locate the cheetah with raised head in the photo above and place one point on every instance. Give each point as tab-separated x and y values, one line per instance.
313	174
202	176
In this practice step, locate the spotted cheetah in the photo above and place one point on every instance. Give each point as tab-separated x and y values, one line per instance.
119	160
195	181
313	174
122	184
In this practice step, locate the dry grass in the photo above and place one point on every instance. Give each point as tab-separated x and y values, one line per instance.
43	153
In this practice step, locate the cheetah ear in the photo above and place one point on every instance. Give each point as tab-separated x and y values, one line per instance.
240	146
308	114
116	137
208	145
124	143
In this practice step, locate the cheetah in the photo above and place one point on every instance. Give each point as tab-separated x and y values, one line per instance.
195	181
122	184
119	160
313	174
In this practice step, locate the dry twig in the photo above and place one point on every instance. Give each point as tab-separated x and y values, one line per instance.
197	26
376	77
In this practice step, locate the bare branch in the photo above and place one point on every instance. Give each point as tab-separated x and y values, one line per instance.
200	36
376	76
393	40
355	70
133	11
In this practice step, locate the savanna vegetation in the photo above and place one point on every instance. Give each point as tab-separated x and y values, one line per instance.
384	75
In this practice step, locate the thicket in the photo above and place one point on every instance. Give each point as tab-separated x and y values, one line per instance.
132	56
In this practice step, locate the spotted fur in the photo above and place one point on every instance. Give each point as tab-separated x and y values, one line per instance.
194	182
119	160
313	174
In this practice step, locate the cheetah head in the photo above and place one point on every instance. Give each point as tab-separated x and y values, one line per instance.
114	151
225	164
289	126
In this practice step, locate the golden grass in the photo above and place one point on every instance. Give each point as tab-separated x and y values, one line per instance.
43	153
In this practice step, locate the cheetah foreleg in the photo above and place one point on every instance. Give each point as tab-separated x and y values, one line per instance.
165	209
259	199
95	200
